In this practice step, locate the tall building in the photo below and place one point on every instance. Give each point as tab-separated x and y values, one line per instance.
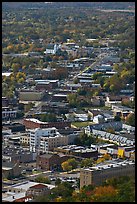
42	140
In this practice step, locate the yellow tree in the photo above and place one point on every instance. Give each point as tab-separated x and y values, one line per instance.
66	166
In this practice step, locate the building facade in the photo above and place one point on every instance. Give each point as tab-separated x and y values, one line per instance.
98	174
42	140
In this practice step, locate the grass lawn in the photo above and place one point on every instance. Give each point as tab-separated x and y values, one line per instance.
82	124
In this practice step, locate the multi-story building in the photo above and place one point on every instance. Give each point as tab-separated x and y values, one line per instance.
8	113
32	123
49	143
46	139
113	168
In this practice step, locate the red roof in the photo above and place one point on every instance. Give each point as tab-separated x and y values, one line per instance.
22	199
38	186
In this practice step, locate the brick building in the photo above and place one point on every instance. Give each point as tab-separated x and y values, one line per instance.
98	174
32	123
48	161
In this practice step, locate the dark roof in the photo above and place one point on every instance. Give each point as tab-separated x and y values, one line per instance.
48	156
8	164
50	46
95	112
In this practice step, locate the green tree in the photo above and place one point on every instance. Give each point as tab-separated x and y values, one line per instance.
88	162
130	119
43	179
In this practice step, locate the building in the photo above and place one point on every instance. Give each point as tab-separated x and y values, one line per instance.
43	140
112	100
51	49
36	134
31	123
31	95
78	151
48	161
49	143
5	102
8	113
96	175
48	83
25	139
17	192
37	190
13	126
17	154
10	169
121	111
98	119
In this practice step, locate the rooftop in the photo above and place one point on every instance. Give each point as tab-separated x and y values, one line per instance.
109	164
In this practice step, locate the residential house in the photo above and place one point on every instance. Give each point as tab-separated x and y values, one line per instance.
99	118
112	100
97	101
122	111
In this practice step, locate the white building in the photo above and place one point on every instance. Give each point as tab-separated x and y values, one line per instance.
98	119
8	113
51	49
46	139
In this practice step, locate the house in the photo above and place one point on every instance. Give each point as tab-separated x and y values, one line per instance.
112	100
51	48
97	100
98	118
121	110
94	112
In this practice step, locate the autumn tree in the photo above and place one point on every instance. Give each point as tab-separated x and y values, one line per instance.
69	164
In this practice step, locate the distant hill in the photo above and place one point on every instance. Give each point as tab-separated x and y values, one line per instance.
97	5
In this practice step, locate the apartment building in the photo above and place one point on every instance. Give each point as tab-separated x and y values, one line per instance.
8	113
46	139
96	175
49	143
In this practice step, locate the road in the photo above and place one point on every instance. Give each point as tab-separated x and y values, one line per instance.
97	60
